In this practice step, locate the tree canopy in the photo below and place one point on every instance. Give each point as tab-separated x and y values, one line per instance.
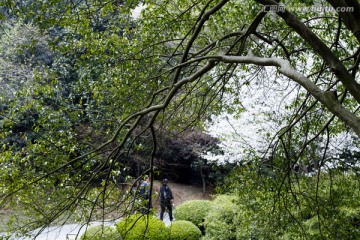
99	83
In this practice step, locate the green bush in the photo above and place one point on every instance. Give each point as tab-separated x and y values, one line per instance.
100	233
343	224
193	211
256	218
219	222
184	230
137	227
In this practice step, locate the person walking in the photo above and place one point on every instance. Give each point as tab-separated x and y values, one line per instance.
166	199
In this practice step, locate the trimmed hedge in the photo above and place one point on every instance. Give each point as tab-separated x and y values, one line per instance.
137	227
184	230
100	233
220	220
193	211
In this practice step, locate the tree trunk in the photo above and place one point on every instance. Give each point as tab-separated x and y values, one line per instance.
203	179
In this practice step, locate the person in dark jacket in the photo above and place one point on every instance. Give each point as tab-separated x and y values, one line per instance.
166	199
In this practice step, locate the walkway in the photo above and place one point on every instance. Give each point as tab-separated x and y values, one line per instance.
70	231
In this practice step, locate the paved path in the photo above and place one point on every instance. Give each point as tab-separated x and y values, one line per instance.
70	231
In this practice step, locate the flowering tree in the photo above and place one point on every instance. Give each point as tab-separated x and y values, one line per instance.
173	67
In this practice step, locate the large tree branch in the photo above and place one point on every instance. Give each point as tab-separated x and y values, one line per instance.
321	48
325	97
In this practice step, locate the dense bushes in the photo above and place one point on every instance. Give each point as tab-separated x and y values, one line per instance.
256	211
137	226
293	210
184	230
193	211
143	227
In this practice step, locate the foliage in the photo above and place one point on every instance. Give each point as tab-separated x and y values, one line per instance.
193	211
184	230
273	209
98	83
139	226
47	120
100	233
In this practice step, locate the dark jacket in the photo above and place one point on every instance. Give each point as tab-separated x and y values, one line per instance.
165	194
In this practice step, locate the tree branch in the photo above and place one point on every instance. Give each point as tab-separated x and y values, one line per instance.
197	30
319	47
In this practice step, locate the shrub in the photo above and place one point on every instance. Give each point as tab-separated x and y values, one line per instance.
184	230
341	224
193	211
100	233
350	215
219	222
137	226
256	218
